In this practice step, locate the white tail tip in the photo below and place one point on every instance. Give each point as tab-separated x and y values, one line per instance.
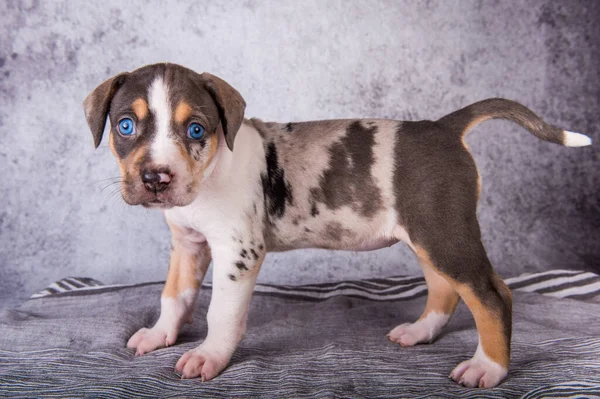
573	139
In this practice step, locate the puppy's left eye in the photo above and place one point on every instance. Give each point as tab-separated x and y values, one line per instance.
195	131
126	127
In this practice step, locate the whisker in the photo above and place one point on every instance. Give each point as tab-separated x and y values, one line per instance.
109	185
117	199
111	195
116	178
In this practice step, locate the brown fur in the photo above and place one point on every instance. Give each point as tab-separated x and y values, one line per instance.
185	266
111	144
441	296
140	108
133	160
494	340
464	119
182	112
490	320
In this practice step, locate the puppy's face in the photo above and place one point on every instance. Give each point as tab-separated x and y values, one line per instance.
166	123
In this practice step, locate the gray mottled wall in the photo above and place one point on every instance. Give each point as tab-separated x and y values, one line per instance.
292	60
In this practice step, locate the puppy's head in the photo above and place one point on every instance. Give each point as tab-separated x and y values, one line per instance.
165	123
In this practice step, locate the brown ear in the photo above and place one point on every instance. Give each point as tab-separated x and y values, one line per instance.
97	104
230	104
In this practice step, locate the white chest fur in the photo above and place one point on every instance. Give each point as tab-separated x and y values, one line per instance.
229	201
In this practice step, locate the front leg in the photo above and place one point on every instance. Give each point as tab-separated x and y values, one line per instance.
190	257
234	277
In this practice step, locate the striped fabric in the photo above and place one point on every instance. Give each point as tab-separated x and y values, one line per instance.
311	341
68	284
556	283
566	391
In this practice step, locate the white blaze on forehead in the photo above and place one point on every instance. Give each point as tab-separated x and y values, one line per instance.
164	150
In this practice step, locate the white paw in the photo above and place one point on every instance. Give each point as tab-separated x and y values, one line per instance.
405	335
421	331
148	339
479	371
202	362
173	313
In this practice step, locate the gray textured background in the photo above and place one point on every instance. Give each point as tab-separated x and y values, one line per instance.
292	60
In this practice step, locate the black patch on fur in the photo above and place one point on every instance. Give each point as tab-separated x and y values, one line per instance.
196	149
306	229
241	265
313	210
348	179
254	254
289	127
276	189
232	277
244	253
261	247
334	231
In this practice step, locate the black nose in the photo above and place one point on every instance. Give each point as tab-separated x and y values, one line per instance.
156	180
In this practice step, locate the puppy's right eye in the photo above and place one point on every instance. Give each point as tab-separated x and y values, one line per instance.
195	131
126	127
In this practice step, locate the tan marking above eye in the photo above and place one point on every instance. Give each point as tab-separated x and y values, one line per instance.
140	108
182	112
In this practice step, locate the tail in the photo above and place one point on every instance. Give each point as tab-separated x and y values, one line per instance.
463	120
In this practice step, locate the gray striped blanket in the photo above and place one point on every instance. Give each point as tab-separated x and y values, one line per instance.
311	341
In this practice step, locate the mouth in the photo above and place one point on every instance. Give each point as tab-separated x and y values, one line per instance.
136	194
156	203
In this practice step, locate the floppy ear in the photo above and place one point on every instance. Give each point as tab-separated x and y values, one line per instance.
230	104
97	104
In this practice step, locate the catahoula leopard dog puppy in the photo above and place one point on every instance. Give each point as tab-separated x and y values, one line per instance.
232	189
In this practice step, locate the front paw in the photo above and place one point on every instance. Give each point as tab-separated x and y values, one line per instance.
202	362
148	339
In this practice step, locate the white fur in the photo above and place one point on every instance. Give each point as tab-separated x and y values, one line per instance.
573	139
163	149
421	331
176	311
173	313
479	371
232	177
401	234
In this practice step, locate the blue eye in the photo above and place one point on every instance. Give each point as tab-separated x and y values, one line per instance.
195	131
126	127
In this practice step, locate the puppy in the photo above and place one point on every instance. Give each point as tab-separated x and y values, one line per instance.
232	189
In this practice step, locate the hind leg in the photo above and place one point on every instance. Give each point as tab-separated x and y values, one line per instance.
441	302
492	310
437	188
468	271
